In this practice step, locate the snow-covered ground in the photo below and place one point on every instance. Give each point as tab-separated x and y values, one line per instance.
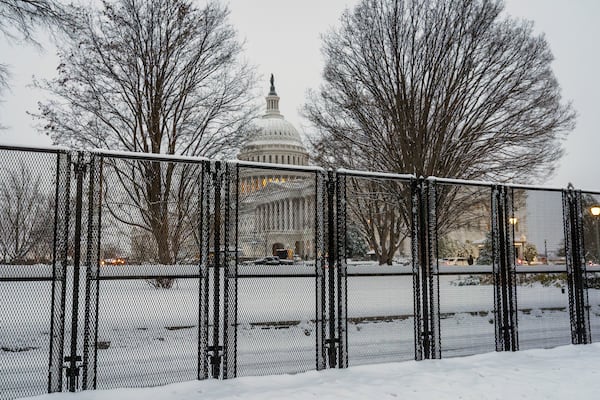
150	336
568	372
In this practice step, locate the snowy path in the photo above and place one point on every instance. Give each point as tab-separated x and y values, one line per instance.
556	374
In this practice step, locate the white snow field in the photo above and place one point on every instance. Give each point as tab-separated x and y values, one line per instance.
567	372
149	337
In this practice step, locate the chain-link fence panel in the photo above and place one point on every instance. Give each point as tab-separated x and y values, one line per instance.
378	257
543	310
590	208
593	284
380	315
539	251
150	280
467	314
280	251
465	258
32	262
24	336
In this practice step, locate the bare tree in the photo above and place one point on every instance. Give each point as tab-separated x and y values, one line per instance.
27	218
168	214
439	88
160	77
20	18
157	76
445	88
377	210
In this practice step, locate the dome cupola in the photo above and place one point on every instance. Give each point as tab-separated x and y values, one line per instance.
277	140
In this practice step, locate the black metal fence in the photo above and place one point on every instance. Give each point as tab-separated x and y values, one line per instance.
124	270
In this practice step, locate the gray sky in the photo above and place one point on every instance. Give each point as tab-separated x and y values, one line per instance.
283	37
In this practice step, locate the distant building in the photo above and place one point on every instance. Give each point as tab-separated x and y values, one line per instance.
276	209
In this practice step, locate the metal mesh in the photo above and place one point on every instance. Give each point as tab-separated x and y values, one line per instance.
380	307
467	313
542	293
189	270
464	258
593	280
380	317
591	242
149	274
27	217
543	310
276	310
147	336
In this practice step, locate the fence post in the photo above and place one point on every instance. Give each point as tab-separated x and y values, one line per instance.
90	339
342	271
332	340
230	263
205	195
504	271
72	369
425	271
59	270
320	279
576	270
215	350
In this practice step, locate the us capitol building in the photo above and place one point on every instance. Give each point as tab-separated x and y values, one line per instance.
276	208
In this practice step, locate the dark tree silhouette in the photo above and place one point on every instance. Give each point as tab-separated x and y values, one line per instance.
159	77
439	88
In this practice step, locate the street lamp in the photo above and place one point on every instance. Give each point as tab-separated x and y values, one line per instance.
513	221
595	210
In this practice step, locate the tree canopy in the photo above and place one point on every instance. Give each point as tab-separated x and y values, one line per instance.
444	88
451	89
158	76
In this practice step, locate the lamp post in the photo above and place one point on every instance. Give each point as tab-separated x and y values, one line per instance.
513	221
595	210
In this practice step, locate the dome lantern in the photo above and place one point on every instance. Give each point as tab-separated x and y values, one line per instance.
276	140
273	100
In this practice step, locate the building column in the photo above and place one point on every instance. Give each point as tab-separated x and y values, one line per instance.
286	213
306	212
290	219
278	215
296	210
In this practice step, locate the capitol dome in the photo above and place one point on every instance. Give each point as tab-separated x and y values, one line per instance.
277	141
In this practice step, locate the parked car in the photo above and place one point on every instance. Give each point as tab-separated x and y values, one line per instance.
458	261
270	260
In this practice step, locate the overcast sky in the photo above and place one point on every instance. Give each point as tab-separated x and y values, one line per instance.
283	37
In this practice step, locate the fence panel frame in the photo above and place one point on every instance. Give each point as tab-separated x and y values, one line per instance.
338	243
504	270
59	271
219	228
576	269
92	283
